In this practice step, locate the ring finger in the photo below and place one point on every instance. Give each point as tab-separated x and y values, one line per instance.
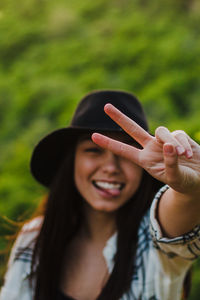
163	135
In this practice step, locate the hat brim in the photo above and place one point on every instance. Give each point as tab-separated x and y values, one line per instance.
52	149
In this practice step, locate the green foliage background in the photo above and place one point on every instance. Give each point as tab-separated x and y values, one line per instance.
53	52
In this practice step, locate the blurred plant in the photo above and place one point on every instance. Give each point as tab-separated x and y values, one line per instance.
53	52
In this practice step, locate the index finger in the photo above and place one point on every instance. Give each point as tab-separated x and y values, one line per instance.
117	147
128	125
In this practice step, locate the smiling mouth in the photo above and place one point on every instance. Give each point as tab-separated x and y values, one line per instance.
105	185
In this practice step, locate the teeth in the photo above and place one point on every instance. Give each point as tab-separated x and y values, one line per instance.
108	185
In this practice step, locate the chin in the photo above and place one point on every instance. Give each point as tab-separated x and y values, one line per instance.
106	208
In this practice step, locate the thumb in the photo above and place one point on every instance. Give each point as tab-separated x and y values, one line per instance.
171	163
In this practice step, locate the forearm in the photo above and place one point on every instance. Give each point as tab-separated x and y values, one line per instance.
178	213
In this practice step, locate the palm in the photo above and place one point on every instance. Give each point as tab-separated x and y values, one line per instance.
151	159
181	172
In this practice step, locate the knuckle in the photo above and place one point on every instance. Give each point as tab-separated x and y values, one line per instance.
178	133
170	164
120	118
132	128
161	130
122	149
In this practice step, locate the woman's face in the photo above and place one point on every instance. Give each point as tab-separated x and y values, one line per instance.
106	181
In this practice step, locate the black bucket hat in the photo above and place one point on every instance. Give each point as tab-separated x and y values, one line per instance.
89	117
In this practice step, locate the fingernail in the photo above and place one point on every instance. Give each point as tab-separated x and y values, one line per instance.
180	150
189	153
169	149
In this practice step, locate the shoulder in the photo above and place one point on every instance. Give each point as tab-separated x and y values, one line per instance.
33	225
19	264
29	232
25	241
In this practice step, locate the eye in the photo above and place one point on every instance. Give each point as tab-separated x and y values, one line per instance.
93	150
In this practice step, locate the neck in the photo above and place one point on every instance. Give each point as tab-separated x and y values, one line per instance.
98	226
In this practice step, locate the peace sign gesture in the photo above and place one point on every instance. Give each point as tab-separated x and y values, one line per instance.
173	158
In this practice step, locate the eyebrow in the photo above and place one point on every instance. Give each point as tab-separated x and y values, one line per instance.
84	138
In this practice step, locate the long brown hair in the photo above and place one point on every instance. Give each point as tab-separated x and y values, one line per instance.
63	218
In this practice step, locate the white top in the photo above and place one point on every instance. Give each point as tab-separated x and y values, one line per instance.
160	268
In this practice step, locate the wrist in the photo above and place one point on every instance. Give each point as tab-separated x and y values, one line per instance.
189	196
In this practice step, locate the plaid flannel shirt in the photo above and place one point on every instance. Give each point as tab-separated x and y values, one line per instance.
160	266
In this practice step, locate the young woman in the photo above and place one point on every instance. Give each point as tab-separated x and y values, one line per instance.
105	233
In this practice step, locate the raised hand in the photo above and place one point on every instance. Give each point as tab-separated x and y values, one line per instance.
173	158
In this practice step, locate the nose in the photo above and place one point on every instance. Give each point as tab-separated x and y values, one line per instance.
111	164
